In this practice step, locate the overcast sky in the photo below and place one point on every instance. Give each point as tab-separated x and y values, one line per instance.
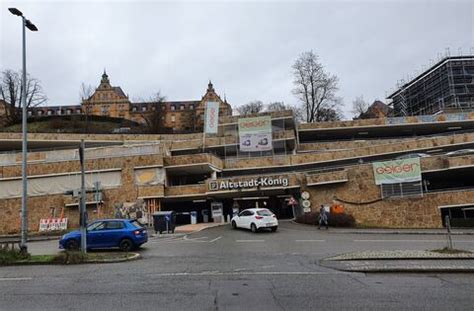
245	47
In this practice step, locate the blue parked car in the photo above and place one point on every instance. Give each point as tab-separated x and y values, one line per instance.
125	234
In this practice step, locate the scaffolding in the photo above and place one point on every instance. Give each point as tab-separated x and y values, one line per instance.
447	87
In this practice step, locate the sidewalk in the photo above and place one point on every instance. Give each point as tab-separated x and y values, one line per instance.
401	261
460	231
432	231
198	227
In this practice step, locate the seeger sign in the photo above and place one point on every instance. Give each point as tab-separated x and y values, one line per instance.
397	171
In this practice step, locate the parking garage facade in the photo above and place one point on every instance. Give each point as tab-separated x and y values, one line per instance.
206	180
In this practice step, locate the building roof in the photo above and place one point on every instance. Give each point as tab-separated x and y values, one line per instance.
118	90
184	102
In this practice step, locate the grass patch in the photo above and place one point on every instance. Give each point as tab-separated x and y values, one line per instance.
447	250
8	256
14	257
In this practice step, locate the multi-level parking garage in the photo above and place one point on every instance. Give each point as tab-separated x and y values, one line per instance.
331	161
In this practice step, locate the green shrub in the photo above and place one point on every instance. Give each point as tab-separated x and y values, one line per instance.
8	256
334	220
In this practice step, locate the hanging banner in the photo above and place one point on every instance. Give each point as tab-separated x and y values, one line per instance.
397	171
211	118
255	134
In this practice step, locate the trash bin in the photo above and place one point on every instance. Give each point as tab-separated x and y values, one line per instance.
164	221
205	215
194	216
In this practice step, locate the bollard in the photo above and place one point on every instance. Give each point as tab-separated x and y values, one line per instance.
448	232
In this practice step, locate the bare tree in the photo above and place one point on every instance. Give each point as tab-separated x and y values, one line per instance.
277	106
333	112
10	93
314	87
252	107
153	119
359	106
85	93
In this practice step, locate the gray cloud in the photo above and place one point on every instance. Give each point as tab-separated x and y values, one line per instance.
246	48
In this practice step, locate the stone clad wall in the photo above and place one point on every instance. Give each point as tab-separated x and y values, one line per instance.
362	199
40	206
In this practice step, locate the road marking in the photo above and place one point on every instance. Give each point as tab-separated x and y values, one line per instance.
216	273
218	238
409	241
16	279
250	241
194	239
310	240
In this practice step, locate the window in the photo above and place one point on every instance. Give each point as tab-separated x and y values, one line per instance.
163	107
246	213
173	107
401	190
69	111
112	225
40	112
173	118
144	108
191	107
134	109
50	112
78	111
136	224
264	212
104	110
96	226
30	113
181	107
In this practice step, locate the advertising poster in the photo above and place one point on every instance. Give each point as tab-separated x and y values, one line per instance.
255	134
397	171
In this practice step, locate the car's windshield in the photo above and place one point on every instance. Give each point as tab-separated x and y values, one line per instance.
264	212
136	224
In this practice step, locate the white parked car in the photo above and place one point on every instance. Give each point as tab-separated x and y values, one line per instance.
255	219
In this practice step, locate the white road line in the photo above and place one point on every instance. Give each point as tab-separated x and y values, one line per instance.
216	273
302	241
194	239
16	279
218	238
249	241
431	241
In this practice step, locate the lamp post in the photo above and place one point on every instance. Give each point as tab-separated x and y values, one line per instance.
24	220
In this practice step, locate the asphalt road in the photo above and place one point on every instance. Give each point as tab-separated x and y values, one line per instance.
224	269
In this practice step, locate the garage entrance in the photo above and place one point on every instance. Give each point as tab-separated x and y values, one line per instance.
461	216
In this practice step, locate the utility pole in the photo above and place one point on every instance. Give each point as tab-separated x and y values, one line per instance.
82	205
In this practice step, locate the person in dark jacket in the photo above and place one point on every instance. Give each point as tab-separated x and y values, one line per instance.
323	217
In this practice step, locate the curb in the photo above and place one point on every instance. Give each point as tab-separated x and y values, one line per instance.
407	267
135	256
389	231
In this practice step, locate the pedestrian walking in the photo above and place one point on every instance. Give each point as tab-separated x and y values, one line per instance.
323	217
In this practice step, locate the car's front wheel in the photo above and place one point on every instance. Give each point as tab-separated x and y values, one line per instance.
274	228
126	245
72	245
234	225
253	227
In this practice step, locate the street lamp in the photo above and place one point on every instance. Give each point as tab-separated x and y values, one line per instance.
24	220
